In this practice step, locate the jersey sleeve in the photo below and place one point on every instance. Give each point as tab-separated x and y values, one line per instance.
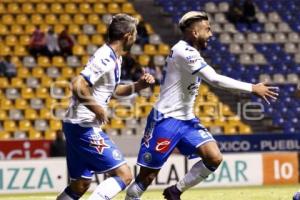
217	80
192	61
96	67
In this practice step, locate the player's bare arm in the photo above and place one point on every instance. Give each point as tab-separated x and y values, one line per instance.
145	81
81	90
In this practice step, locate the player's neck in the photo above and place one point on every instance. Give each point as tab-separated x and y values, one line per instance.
191	42
117	47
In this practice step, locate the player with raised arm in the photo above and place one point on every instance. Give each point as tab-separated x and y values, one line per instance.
172	122
89	149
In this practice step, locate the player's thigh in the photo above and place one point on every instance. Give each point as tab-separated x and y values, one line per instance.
103	155
210	153
160	138
91	150
156	148
75	158
193	137
80	186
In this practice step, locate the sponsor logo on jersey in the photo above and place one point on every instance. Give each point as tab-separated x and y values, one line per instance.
193	88
193	59
103	62
189	49
99	144
97	70
162	145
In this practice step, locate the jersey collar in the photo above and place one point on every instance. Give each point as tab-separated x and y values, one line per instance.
114	55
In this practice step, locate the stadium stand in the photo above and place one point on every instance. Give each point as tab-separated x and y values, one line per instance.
30	101
268	51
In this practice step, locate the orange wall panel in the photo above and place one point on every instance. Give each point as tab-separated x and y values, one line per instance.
280	168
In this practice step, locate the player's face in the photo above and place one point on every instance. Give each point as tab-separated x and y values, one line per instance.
202	33
130	40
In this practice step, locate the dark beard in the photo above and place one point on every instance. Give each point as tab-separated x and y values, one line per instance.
127	47
201	44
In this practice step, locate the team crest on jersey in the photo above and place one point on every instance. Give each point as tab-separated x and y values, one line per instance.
162	145
99	144
117	154
147	157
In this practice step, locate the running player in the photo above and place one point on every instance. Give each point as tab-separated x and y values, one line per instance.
172	122
89	150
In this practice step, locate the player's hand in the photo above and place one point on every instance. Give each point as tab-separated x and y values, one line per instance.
102	116
265	92
145	80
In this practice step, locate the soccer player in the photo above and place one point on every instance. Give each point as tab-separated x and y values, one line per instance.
172	122
89	150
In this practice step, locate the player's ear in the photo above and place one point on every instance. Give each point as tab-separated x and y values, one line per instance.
127	36
195	33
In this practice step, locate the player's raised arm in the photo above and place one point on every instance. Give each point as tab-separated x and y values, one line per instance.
81	89
145	81
217	80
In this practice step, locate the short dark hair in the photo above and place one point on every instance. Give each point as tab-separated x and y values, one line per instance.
120	25
188	22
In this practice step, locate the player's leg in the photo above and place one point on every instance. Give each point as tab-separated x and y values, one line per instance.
198	141
160	138
75	189
90	150
141	183
120	178
211	159
107	158
80	175
123	172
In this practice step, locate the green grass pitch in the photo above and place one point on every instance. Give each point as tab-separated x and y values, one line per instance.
236	193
